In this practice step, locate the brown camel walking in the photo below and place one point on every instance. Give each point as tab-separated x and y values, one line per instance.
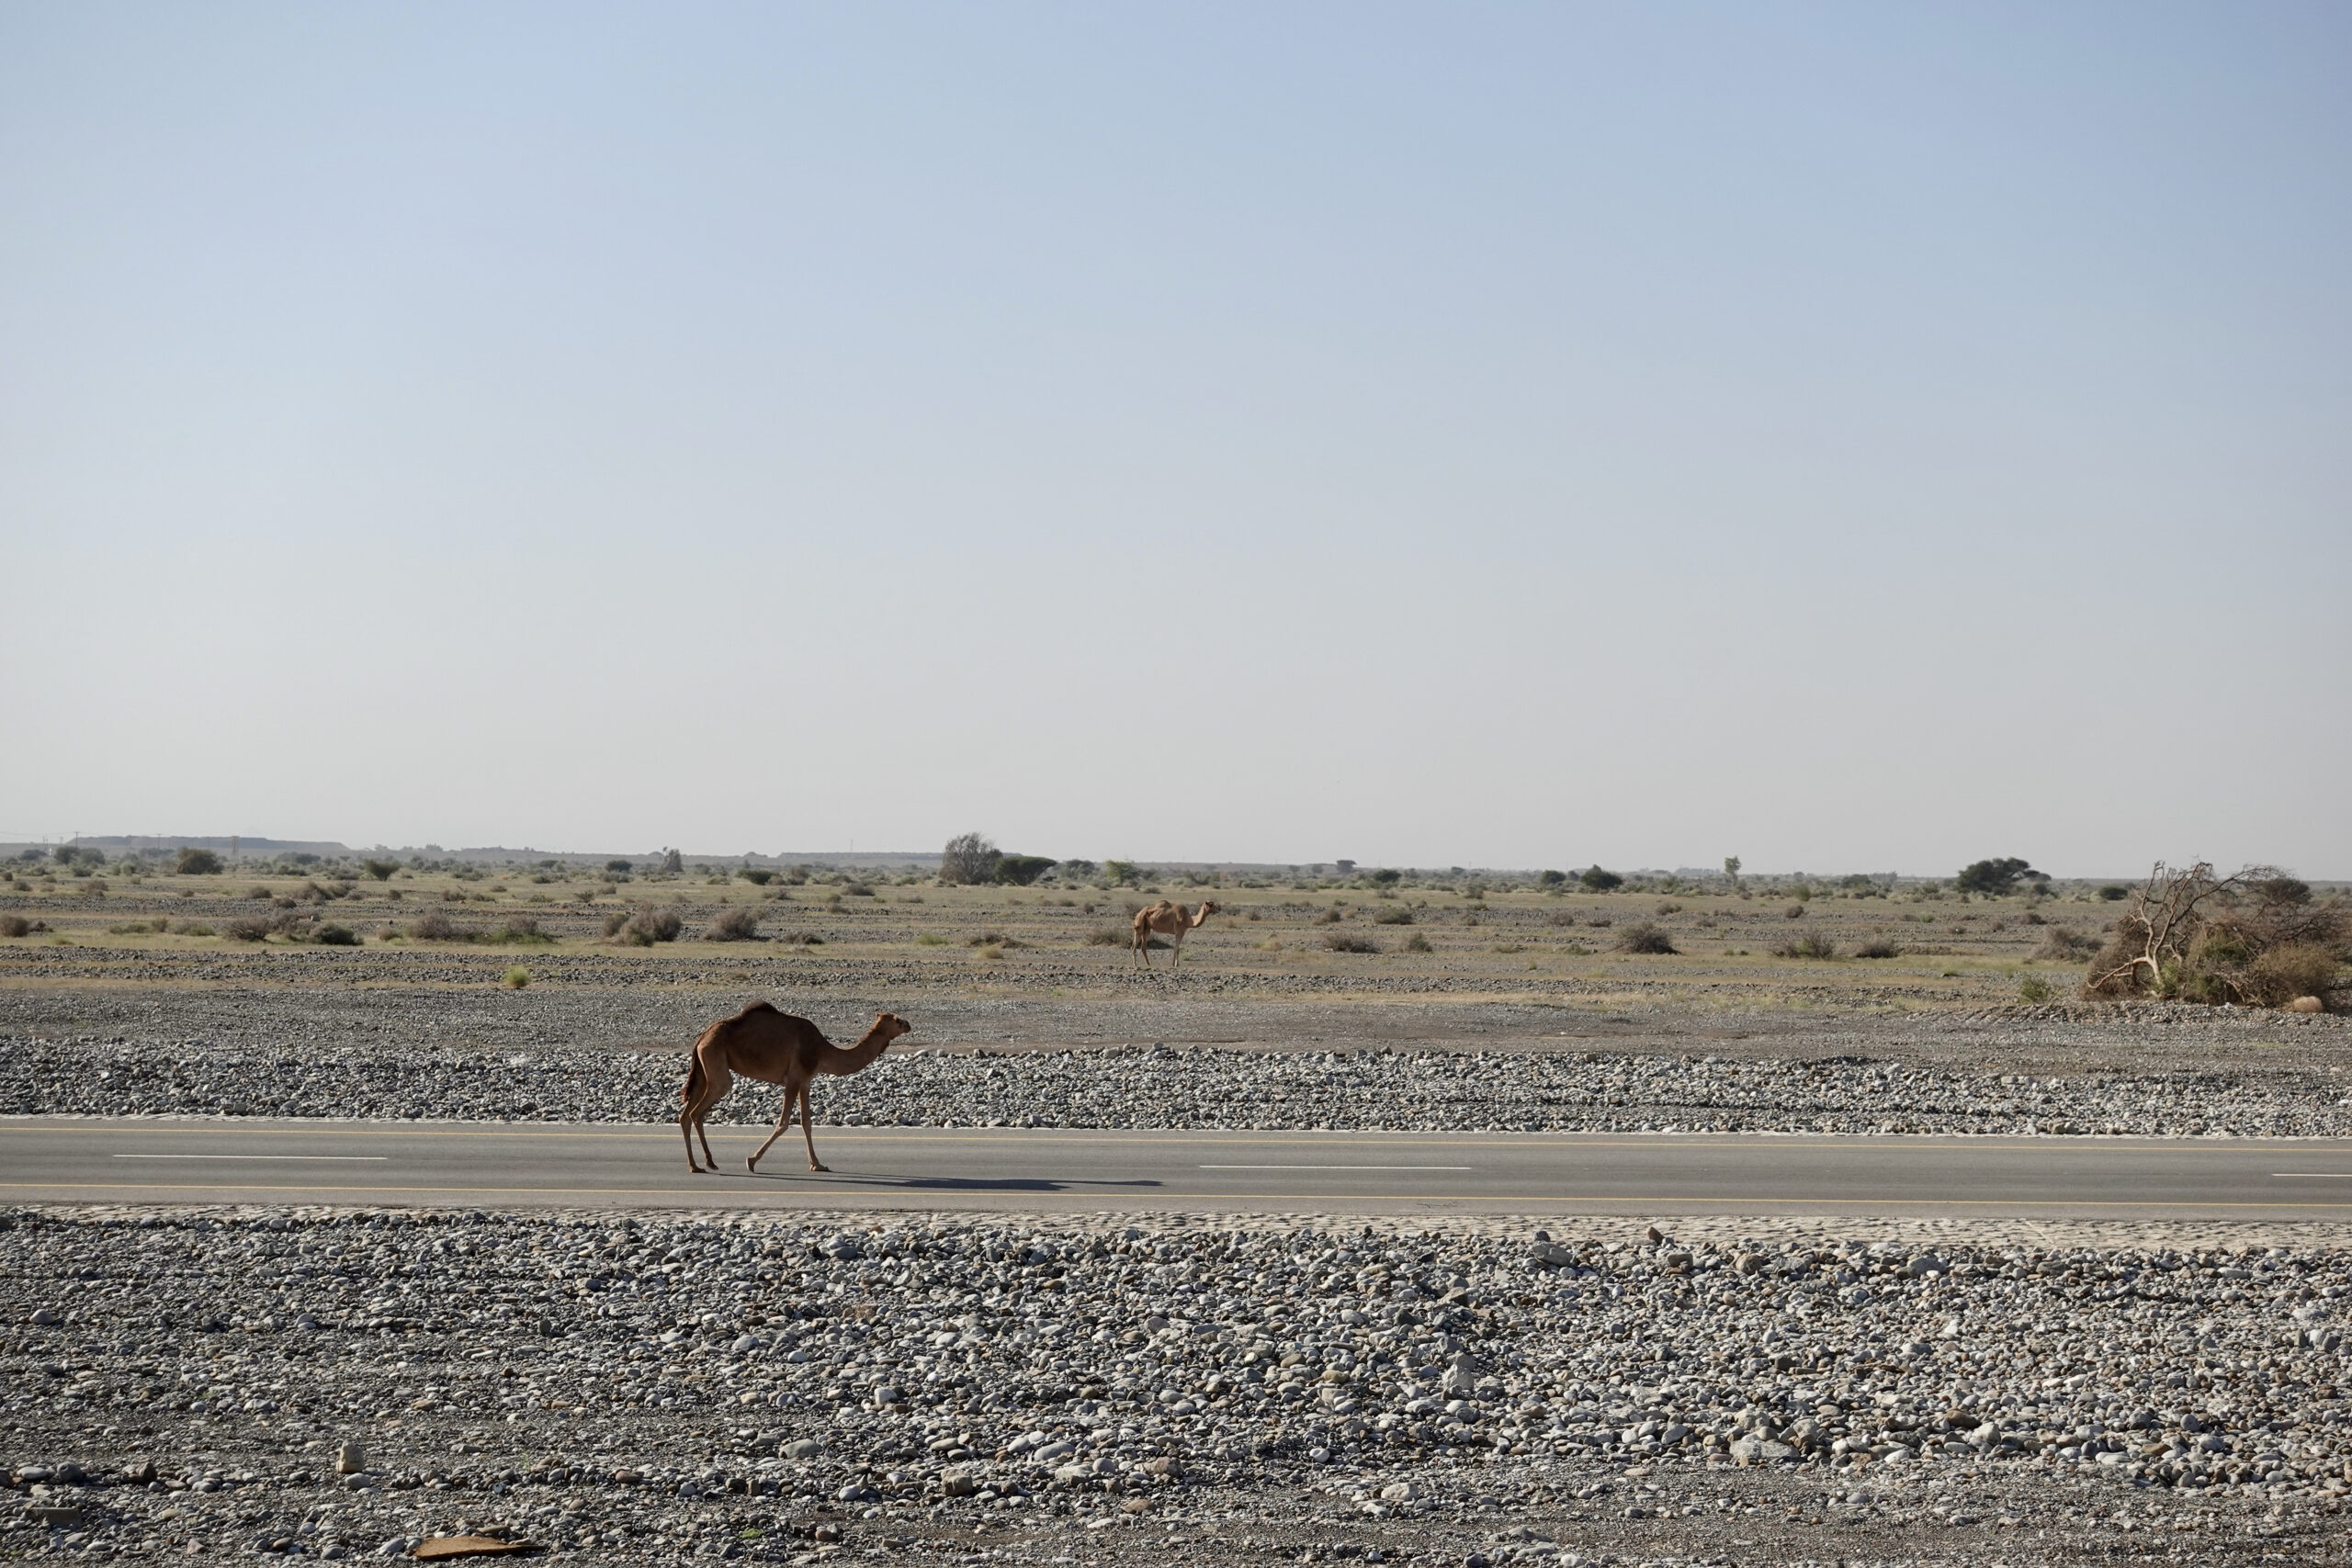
1169	920
773	1047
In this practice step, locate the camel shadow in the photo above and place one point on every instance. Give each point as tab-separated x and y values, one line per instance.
938	1183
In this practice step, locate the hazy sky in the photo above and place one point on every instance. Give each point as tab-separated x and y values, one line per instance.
1847	436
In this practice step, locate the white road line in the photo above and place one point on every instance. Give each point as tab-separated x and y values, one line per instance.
1335	1168
2313	1175
340	1158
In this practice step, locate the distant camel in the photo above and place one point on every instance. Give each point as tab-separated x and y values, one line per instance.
1169	920
773	1047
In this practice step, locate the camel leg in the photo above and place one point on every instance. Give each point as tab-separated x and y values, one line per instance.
782	1121
703	1132
1177	946
716	1082
808	1137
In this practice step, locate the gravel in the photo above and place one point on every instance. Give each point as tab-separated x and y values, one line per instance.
1164	1087
337	1382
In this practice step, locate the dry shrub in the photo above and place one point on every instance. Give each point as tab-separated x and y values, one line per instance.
1400	916
15	925
2290	972
1417	943
1331	916
735	925
1340	942
2066	945
252	927
1645	936
643	928
1564	918
435	926
336	936
1813	945
1793	912
1108	936
2258	939
519	929
516	978
1878	947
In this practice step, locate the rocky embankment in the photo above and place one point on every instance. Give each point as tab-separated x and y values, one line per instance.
332	1384
1198	1087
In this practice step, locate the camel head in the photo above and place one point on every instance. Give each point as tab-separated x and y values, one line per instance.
887	1026
1207	909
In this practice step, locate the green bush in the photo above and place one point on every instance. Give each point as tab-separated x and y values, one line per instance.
516	978
381	870
969	859
2034	988
1878	947
1340	942
757	875
1598	881
2114	893
336	936
197	863
1993	878
1551	879
1020	871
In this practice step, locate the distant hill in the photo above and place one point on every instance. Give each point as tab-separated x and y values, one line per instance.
260	848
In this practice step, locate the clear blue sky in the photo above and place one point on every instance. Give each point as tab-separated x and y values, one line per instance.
1846	437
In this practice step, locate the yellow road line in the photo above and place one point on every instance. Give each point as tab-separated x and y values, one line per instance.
1640	1200
2071	1143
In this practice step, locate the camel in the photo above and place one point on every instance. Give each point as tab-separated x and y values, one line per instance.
773	1047
1169	920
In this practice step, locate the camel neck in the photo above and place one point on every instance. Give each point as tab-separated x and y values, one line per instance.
865	1050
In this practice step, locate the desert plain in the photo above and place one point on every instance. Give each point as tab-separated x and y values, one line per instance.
295	1366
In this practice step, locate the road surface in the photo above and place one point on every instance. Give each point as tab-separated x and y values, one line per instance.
500	1165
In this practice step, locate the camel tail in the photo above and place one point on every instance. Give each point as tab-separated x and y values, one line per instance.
695	1078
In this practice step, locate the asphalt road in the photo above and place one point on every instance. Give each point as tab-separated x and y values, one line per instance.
494	1165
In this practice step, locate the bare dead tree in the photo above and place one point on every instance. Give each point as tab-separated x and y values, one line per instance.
2152	938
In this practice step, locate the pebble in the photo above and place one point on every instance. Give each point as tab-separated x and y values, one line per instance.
1189	1087
1410	1377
